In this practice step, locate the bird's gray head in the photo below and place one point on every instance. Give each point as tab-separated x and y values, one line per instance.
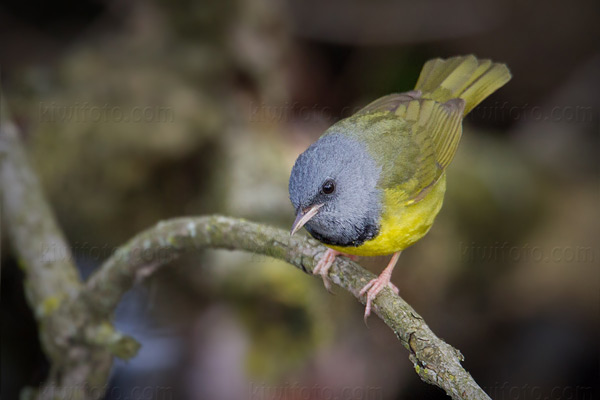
333	187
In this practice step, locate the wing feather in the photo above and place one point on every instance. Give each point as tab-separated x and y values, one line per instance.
435	130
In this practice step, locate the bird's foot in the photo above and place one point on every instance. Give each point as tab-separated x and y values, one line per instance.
373	288
325	264
376	285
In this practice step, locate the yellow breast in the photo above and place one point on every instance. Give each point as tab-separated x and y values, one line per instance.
402	222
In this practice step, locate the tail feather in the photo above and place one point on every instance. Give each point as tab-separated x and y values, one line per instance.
463	77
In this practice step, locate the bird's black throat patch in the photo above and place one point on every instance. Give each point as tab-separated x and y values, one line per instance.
366	232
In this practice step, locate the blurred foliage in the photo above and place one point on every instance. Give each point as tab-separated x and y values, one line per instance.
286	316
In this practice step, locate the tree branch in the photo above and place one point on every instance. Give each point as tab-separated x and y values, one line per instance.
435	361
78	345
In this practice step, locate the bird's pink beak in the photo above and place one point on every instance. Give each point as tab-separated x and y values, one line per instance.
304	216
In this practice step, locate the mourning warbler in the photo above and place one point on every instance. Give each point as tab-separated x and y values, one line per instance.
374	182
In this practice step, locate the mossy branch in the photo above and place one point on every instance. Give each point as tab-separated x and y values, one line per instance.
78	345
435	361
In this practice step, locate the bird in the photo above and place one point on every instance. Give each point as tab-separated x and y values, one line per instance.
374	182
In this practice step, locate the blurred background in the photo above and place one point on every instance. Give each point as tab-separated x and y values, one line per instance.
134	112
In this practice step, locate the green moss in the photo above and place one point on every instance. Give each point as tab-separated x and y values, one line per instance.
171	240
120	345
49	305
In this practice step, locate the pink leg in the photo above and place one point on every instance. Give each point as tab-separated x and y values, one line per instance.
325	263
375	286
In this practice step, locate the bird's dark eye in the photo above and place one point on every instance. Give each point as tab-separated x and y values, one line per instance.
328	187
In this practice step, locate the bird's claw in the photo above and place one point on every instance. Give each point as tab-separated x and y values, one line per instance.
323	267
372	289
325	264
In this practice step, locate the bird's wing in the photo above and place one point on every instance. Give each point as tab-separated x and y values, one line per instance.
437	124
428	144
390	102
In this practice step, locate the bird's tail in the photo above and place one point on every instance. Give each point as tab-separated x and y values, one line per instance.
463	77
